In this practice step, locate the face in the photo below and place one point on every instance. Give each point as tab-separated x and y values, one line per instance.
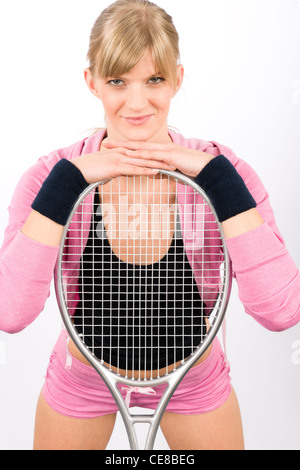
136	104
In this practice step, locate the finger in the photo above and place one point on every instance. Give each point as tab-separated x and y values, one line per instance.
136	170
156	155
108	145
113	144
147	154
140	145
150	164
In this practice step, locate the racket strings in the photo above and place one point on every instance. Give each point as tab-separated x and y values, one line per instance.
140	307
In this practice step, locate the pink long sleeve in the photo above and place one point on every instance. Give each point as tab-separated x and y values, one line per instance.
268	279
30	265
26	266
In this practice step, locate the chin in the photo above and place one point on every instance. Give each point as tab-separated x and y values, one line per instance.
139	133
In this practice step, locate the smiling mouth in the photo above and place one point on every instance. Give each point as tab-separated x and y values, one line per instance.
138	120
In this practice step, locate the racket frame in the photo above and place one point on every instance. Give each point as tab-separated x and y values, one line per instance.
171	379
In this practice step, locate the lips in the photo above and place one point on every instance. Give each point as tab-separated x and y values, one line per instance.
138	120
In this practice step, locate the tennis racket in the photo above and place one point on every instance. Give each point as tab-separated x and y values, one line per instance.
143	281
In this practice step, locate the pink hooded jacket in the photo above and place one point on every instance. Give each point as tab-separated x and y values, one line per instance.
268	279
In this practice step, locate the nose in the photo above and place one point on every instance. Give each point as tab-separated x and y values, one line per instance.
137	98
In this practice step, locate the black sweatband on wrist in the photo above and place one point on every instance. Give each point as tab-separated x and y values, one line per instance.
225	188
60	191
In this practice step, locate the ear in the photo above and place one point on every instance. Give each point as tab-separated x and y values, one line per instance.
180	77
90	81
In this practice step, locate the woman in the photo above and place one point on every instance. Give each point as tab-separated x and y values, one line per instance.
135	72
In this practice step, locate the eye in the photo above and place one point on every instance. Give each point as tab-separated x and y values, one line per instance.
116	82
157	80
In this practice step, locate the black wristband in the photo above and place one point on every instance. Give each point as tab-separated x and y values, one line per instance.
225	188
60	191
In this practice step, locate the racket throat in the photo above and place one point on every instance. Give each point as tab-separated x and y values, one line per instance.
152	419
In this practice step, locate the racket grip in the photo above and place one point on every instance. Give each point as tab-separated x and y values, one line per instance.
225	188
60	191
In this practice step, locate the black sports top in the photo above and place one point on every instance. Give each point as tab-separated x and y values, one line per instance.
147	322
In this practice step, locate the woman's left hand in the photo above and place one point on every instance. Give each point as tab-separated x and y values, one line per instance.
188	161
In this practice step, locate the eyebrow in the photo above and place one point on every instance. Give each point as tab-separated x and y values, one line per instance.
124	78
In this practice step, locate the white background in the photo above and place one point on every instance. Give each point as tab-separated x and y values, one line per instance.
242	88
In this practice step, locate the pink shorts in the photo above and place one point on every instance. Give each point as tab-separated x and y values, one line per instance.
76	389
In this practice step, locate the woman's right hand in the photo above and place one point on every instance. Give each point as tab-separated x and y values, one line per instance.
111	163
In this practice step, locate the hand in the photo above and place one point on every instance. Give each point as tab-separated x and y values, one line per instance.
188	161
113	161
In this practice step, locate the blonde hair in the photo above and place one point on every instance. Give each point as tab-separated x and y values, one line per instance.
125	31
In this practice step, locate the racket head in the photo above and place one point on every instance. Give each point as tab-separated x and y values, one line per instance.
205	248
